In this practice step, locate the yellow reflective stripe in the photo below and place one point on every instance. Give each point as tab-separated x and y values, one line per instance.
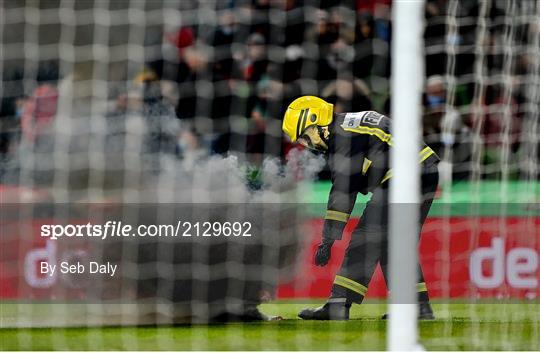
350	284
380	134
387	176
421	287
425	150
354	289
337	216
424	154
366	165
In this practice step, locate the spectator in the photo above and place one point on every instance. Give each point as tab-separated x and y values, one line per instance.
382	26
370	5
323	32
145	99
348	96
223	36
372	54
343	20
445	131
338	59
496	115
363	63
181	39
10	126
435	35
163	127
292	67
255	62
265	52
294	26
38	111
193	68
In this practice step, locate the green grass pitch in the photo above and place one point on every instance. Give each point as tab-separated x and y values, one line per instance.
458	327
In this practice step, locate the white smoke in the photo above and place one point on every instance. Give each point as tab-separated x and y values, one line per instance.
94	158
117	161
232	179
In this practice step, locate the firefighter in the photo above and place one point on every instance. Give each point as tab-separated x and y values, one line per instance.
358	148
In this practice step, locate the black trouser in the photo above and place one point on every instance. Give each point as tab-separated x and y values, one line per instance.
369	243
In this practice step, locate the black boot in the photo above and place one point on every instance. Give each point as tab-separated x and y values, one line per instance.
329	311
425	312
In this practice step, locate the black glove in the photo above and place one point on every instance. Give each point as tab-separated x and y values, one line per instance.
322	256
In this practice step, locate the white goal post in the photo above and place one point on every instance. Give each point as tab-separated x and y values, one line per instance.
406	87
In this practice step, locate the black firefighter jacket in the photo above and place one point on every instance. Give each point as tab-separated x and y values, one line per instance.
358	157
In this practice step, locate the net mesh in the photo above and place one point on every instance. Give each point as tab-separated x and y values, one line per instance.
487	54
152	112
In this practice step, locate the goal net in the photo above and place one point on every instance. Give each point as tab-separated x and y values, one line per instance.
145	178
481	112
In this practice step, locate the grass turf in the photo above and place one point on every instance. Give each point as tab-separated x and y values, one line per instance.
458	327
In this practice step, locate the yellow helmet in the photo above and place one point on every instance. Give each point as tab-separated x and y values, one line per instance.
306	111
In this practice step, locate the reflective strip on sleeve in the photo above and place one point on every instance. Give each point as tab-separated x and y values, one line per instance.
424	154
387	176
337	216
373	131
350	284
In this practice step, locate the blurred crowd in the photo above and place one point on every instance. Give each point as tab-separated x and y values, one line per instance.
222	86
